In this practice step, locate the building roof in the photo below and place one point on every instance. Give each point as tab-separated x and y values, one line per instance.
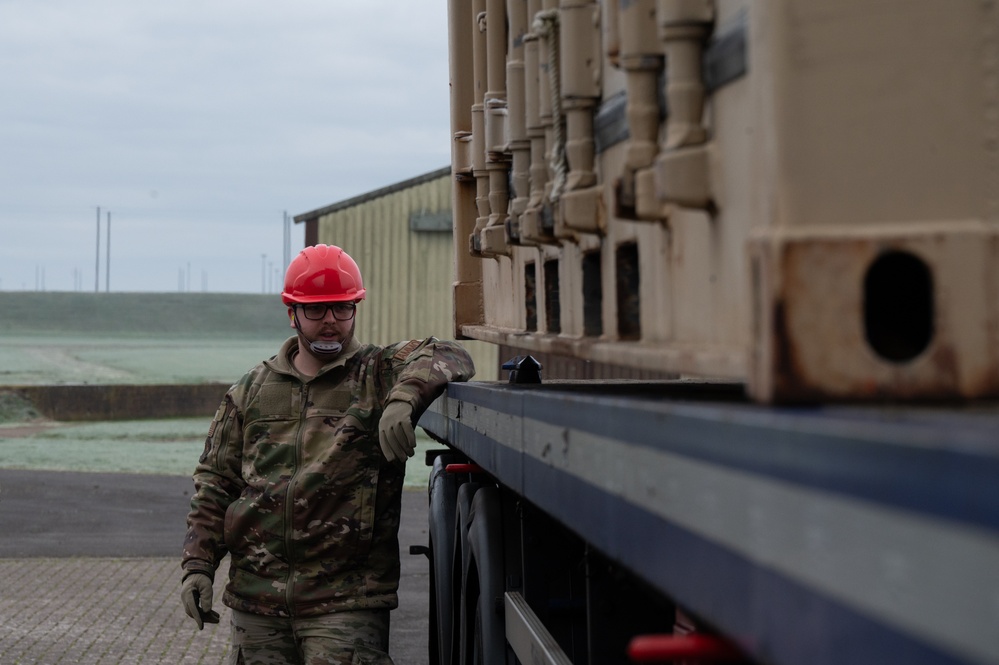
374	194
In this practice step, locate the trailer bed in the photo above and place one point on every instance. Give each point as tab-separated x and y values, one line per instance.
809	534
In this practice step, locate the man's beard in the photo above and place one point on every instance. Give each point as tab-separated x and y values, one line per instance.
323	350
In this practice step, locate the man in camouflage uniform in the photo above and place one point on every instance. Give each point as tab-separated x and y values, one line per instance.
301	479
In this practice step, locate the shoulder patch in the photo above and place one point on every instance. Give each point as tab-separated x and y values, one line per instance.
219	415
404	352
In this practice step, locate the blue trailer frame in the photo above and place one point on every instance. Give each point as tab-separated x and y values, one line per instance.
821	534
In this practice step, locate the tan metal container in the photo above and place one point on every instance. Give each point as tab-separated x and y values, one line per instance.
797	194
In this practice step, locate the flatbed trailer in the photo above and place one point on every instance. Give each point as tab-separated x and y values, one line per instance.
792	203
577	517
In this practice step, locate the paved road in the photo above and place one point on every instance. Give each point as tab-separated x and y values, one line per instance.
90	570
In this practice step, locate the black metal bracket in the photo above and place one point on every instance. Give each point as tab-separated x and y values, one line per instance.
523	369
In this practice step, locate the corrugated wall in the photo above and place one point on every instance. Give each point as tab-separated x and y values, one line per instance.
408	273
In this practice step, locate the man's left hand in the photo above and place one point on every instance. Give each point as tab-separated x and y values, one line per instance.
395	432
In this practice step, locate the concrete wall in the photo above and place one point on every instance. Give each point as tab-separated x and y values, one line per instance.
123	402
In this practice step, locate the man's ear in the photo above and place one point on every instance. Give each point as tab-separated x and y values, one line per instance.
291	317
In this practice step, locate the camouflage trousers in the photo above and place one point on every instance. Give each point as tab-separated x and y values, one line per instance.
345	638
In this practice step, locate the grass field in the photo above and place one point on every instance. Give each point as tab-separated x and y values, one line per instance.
162	447
101	338
126	315
49	360
126	338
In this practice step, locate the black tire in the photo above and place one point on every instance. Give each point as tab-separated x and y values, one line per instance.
465	588
443	499
485	573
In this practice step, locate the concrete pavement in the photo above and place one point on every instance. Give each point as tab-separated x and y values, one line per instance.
90	573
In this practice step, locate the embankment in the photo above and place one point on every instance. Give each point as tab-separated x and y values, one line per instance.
123	356
121	402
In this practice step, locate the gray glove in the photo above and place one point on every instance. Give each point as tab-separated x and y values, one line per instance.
395	431
196	594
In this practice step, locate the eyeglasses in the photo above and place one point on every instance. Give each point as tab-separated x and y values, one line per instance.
342	311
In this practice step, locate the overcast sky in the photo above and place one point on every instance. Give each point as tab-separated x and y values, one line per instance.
197	125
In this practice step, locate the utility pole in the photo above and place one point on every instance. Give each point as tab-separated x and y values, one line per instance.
287	239
97	261
263	273
107	256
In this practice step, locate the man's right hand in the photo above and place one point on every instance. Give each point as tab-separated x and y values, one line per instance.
196	594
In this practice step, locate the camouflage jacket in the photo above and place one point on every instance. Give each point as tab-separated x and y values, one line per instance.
293	484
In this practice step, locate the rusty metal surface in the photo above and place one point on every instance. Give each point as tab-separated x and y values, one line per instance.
932	336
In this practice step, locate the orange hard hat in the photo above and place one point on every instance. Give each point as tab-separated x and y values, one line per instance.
322	273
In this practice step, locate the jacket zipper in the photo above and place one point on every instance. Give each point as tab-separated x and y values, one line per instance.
290	501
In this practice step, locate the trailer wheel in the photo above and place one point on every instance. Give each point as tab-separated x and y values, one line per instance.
483	632
463	586
443	499
478	648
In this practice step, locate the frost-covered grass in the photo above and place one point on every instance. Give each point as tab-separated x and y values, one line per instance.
47	360
131	338
16	409
162	447
196	315
101	338
169	447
